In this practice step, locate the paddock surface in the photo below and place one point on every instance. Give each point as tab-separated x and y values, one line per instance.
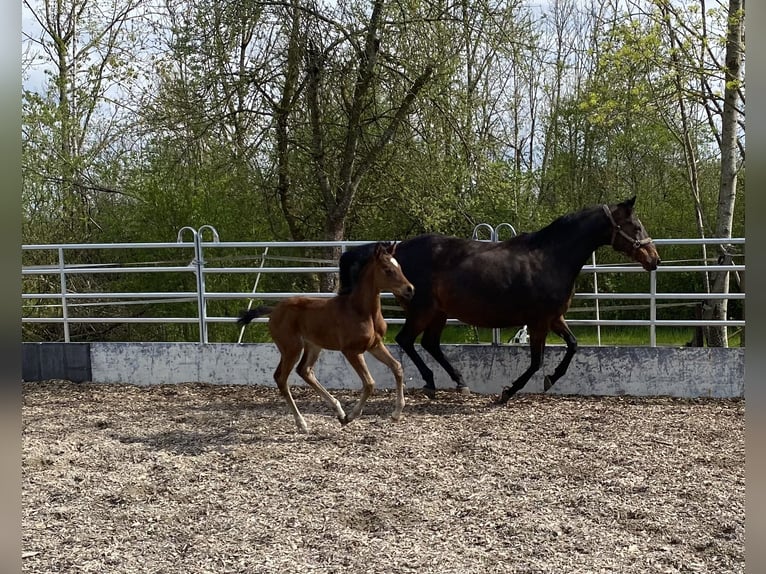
193	478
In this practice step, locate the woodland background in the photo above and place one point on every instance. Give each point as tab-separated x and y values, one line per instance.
312	120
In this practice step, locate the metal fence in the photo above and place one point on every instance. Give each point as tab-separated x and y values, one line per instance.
56	305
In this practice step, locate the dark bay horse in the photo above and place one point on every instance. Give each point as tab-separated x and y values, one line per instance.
526	280
351	323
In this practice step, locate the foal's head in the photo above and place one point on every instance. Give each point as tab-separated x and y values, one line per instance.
351	263
387	273
629	235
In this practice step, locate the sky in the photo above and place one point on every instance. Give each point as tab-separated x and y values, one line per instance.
33	78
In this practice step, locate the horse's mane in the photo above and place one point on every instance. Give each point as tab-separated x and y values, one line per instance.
556	227
351	263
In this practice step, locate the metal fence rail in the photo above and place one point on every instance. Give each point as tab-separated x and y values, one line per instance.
63	300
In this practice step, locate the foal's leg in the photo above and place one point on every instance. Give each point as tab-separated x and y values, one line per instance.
431	342
537	348
306	371
289	356
368	384
560	327
381	354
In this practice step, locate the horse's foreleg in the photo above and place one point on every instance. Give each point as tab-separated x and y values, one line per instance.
406	340
537	348
431	342
562	330
381	353
368	384
289	356
306	372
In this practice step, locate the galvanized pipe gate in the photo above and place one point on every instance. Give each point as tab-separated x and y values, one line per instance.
199	266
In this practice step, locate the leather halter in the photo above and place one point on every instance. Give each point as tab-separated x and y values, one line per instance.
617	229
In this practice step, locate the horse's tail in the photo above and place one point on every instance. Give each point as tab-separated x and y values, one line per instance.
246	316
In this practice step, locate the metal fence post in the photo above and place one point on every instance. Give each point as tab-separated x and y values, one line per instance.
201	280
653	309
488	227
503	226
64	310
595	292
494	237
197	275
255	289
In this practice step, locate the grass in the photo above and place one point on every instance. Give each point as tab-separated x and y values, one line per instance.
586	336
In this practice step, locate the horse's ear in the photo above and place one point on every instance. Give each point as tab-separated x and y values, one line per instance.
380	249
629	203
392	248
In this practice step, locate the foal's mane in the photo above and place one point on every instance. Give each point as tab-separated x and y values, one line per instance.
351	263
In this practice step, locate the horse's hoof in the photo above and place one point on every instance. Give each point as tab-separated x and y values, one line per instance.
343	420
547	383
463	390
504	396
430	392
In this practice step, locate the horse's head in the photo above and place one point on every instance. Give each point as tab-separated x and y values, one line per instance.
629	235
388	272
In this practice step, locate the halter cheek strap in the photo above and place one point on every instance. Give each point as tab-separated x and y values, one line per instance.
617	229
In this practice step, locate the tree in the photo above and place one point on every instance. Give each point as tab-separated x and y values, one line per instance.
730	160
651	103
76	122
72	126
691	47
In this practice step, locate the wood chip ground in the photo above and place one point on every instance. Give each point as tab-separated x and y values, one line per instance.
195	478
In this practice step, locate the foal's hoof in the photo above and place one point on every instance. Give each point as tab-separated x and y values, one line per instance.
463	390
547	383
343	420
430	392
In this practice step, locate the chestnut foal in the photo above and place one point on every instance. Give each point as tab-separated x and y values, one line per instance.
351	323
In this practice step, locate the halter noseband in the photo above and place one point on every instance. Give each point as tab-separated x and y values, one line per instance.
617	229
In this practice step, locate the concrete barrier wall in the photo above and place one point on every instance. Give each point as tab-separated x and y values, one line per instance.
638	371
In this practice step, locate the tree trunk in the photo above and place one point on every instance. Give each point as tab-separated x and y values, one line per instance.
717	309
282	116
335	230
352	165
690	155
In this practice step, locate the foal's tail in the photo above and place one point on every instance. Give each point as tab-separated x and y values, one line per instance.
246	316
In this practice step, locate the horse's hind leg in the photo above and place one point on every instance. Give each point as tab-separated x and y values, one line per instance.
306	371
288	359
560	327
368	384
537	348
431	342
381	353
